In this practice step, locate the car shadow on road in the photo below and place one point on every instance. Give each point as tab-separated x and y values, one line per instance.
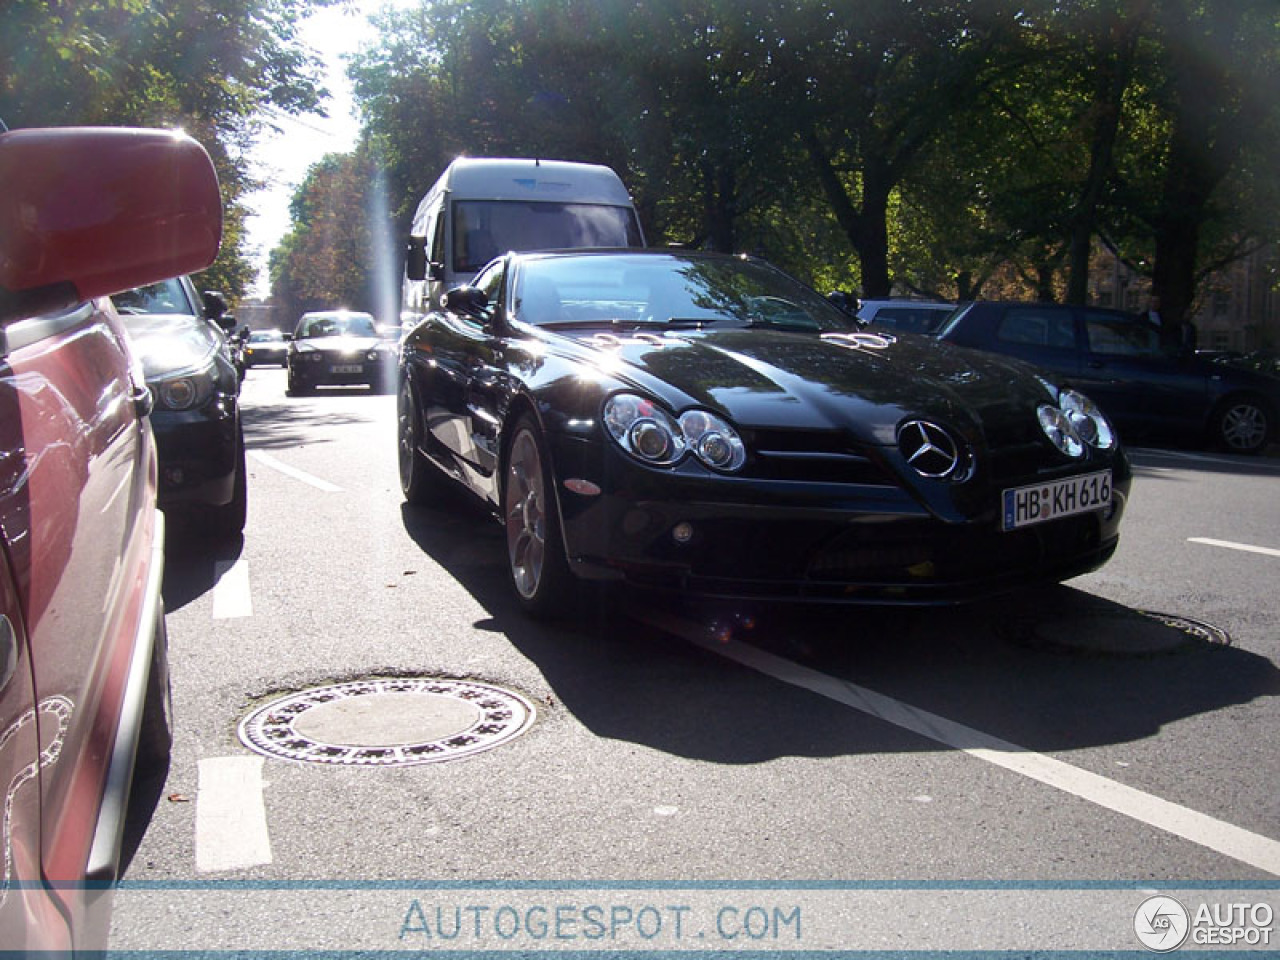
273	426
644	669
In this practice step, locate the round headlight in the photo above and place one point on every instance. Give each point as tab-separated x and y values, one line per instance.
180	393
1058	428
651	440
643	429
714	442
1090	424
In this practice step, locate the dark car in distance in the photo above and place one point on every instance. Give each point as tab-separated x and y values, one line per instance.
1150	384
339	348
190	370
709	425
266	347
84	683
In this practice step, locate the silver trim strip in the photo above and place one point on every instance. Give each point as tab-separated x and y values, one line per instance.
104	855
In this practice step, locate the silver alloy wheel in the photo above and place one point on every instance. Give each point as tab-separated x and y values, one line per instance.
526	516
1244	426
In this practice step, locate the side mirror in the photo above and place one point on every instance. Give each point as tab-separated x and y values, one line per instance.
415	259
436	271
467	300
215	306
92	211
845	301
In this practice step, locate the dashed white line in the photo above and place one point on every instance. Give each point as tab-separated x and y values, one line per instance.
1230	545
269	461
1217	835
232	596
231	817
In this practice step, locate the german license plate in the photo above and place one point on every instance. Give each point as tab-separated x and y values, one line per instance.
347	368
1038	502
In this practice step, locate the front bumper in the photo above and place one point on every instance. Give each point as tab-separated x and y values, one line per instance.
254	357
789	540
199	453
338	371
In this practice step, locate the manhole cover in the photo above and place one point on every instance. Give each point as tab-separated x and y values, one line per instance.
387	722
1135	633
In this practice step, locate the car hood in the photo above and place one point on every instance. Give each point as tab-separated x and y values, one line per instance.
866	383
171	344
343	345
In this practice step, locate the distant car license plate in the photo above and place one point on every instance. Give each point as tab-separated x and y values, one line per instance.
346	368
1038	502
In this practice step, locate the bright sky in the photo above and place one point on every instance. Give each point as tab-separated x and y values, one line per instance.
282	159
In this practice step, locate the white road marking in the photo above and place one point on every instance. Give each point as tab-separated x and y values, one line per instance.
1229	545
269	461
231	594
1217	835
231	818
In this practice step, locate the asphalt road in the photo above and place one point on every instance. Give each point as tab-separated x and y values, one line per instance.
1064	740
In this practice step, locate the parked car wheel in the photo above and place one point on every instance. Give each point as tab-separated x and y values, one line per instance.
535	551
415	473
295	387
1242	424
228	520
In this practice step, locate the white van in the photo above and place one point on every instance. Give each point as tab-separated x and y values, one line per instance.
481	208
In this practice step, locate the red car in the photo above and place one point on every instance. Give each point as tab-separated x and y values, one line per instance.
84	213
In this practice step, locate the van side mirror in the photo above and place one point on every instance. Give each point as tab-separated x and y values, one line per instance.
436	271
415	259
215	306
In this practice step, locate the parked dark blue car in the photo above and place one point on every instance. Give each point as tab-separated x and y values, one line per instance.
1149	384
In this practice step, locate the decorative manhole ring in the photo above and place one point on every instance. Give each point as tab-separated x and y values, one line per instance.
1134	633
388	722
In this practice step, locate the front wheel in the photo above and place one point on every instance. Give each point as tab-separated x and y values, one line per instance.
535	548
1242	425
416	474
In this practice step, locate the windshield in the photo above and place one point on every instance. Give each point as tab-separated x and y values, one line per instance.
644	290
264	336
484	229
168	296
336	325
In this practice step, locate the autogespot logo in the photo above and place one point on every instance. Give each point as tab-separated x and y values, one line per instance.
1161	923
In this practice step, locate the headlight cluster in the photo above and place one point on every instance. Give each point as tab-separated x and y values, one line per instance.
185	391
1075	424
649	433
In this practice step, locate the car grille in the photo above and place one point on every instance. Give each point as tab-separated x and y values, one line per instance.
813	456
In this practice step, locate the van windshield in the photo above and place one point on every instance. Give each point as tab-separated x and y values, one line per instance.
484	229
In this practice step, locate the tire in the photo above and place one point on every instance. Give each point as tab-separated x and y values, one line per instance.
295	387
417	475
155	737
1242	424
536	560
228	520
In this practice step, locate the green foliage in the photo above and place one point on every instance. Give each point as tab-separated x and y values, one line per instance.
956	148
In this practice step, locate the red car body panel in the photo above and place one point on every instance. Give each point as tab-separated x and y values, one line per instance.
83	213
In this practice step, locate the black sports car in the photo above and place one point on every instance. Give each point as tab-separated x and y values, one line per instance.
708	424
